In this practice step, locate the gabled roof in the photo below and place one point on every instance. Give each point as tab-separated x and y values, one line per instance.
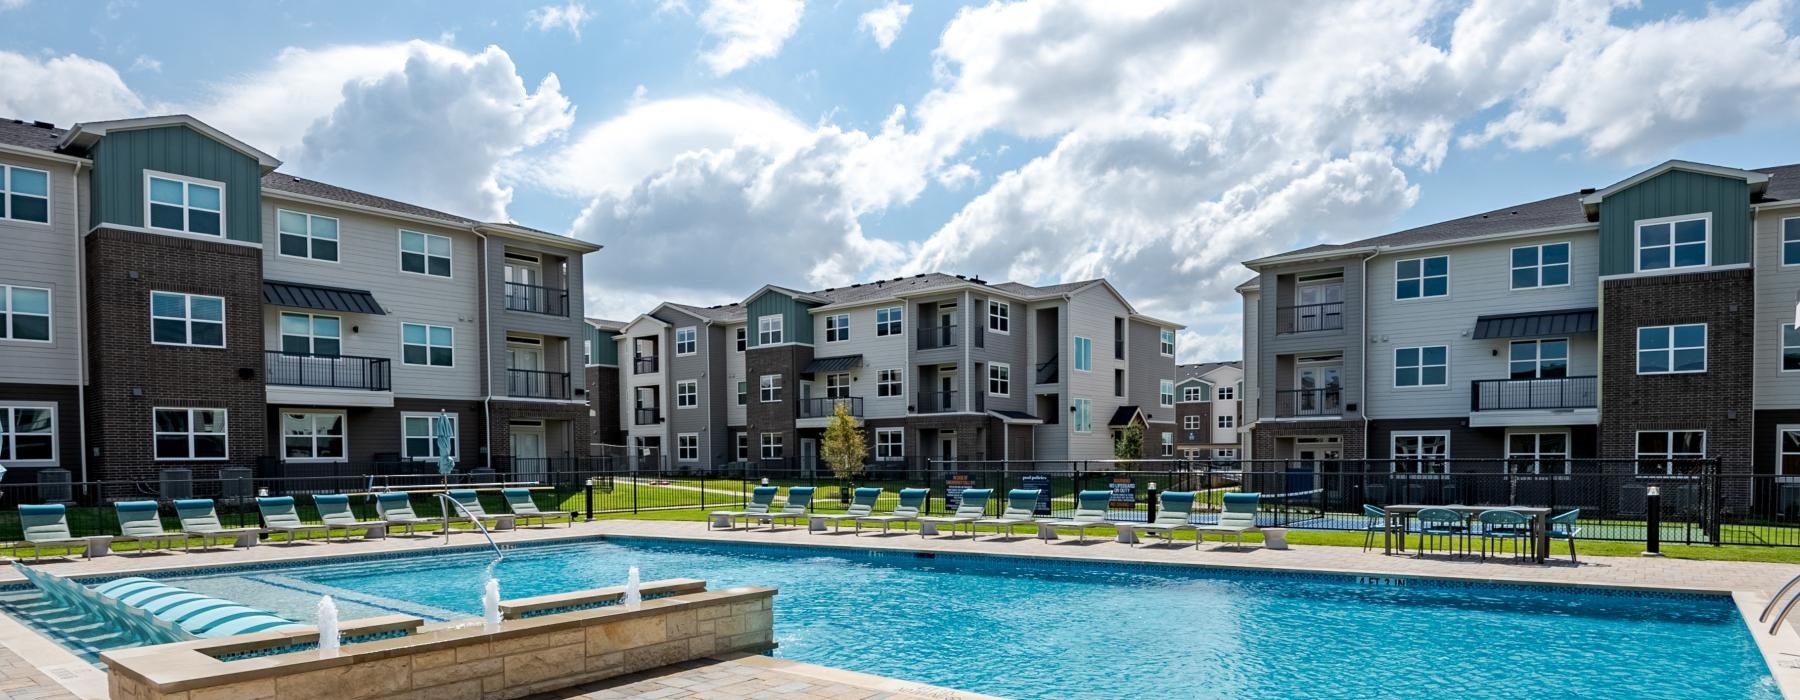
794	293
1757	180
40	136
605	325
709	314
85	134
280	184
1202	369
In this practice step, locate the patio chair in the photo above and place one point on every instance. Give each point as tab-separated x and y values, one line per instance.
1374	521
200	519
971	508
334	511
1021	507
760	499
912	501
526	510
1441	524
1090	512
278	515
1563	527
141	522
1174	515
862	505
45	526
470	503
795	510
1237	518
396	510
1499	526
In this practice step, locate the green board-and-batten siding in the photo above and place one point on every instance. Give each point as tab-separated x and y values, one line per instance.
796	323
121	157
606	350
1675	193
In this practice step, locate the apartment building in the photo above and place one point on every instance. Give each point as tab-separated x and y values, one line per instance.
1207	410
601	351
173	301
1651	319
934	366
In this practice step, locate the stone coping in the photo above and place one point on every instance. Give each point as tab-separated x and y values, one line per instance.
526	607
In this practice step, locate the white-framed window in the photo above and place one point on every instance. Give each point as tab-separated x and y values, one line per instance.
1790	241
771	446
1538	359
687	393
184	204
1660	451
1165	392
999	379
1225	455
687	340
1422	278
1787	450
837	328
24	313
28	434
742	333
770	388
189	433
1227	421
1168	444
890	444
424	253
1192	393
187	319
1084	354
309	236
1790	348
1537	453
837	385
999	317
1084	416
1190	423
890	382
1190	453
1422	366
687	447
587	352
311	334
1538	266
418	435
1224	393
427	345
313	436
1671	349
24	194
1168	343
743	446
890	321
1674	242
1421	453
768	330
743	393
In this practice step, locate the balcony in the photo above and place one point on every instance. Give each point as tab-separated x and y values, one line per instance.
826	408
646	416
643	365
536	384
939	337
1308	318
1309	403
1556	401
936	402
1046	371
531	298
327	371
1118	348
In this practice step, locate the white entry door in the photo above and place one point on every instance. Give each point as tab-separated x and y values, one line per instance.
529	460
528	380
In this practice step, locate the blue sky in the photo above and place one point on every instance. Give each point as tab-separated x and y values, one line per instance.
715	145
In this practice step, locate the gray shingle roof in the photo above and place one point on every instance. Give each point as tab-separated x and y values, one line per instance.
885	288
1197	370
25	134
284	182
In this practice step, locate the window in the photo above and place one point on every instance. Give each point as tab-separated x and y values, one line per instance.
1084	416
837	386
1190	423
889	382
24	313
1787	459
307	334
1421	453
1119	381
187	319
1225	455
1165	392
307	235
837	328
1660	451
1790	348
424	253
741	332
24	194
1168	343
28	434
1084	354
1191	393
587	352
1672	349
185	205
687	393
189	433
1225	393
1666	244
1420	278
1536	266
743	447
312	437
768	330
422	344
1538	359
418	435
1537	453
1000	317
1168	444
890	444
771	445
999	379
771	388
743	393
686	340
1790	241
1227	421
888	321
1426	366
687	447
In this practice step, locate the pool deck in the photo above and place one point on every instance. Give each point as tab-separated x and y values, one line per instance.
28	664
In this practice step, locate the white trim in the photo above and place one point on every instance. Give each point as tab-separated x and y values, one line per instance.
1637	349
1782	346
1394	458
1667	457
281	333
900	329
695	384
85	133
1422	277
187	207
6	195
1637	243
776	331
762	391
1779	429
899	451
899	393
1075	353
1781	240
679	447
1420	367
693	342
309	236
52	156
282	435
1170	385
1160	332
7	314
430	420
427	345
991	379
1536	458
1750	177
1076	415
11	432
1675	271
1569	264
226	424
171	234
842	323
1007	305
1538	357
187	319
400	249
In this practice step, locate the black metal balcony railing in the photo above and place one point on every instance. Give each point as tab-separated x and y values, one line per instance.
1118	348
643	365
537	299
826	408
938	337
327	371
1307	318
1046	371
646	416
1297	403
1534	394
537	384
936	402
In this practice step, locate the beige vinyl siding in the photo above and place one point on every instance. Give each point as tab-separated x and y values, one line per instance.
1270	346
1149	369
1776	287
45	256
878	352
1252	397
629	380
735	415
692	368
1010	350
1091	314
1050	441
567	330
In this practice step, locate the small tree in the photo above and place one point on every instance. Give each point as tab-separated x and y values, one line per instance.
843	448
1130	444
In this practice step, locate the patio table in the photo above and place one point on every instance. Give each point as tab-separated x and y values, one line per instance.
1540	533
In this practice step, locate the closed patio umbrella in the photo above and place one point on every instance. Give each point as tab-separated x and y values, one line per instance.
446	460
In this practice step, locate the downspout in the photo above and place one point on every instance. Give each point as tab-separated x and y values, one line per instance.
1363	340
487	369
81	374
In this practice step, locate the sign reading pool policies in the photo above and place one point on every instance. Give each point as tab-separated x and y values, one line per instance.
1124	493
1041	482
954	485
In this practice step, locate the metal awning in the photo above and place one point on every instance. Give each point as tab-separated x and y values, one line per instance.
313	296
840	363
1016	417
1122	417
1536	324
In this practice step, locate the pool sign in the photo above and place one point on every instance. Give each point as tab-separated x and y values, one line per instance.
1124	493
1041	482
954	485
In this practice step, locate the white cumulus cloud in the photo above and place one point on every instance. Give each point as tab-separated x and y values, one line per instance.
39	89
747	31
569	17
883	23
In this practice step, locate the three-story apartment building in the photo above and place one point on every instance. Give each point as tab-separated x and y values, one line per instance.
1207	411
934	366
174	302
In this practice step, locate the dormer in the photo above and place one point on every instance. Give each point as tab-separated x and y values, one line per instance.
173	175
1677	217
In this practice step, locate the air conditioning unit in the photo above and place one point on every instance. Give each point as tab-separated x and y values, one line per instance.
176	483
235	484
53	486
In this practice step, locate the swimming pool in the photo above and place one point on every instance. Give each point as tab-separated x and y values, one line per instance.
1036	628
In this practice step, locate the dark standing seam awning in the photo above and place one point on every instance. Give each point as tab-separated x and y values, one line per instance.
1536	324
840	363
1123	415
312	296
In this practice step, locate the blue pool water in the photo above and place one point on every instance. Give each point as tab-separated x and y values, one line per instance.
1041	629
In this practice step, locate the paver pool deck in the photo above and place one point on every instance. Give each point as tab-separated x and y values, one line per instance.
25	660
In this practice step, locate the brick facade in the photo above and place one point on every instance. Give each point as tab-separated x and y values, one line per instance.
570	417
1350	432
774	416
1200	437
68	426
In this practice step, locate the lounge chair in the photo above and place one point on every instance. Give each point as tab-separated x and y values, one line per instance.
760	499
1090	512
971	508
526	510
1174	515
141	522
912	502
471	507
200	519
862	505
334	511
1021	505
47	525
1237	518
795	510
278	515
396	510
